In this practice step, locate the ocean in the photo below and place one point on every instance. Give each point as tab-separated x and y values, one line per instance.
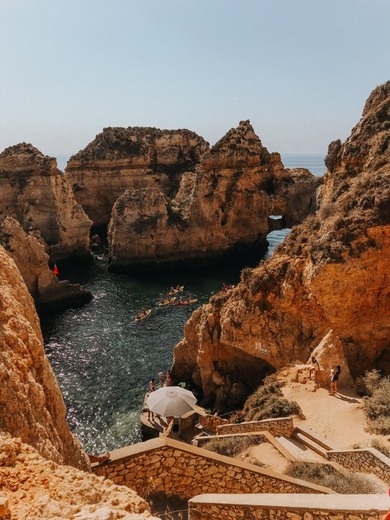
103	359
312	161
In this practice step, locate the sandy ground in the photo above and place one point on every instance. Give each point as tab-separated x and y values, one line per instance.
337	419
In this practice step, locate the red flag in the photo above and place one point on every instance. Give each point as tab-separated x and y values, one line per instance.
55	270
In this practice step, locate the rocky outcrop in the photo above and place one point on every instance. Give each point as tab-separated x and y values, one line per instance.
33	487
222	206
31	404
50	294
37	195
325	291
130	158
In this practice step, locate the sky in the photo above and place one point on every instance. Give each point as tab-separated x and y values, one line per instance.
299	70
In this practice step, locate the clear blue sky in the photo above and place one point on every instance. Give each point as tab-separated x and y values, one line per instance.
300	70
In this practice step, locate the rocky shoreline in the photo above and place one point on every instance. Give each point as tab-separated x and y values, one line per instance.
325	291
165	198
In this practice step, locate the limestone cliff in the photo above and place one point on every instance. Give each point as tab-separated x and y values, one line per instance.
37	195
130	158
31	404
35	488
326	290
222	206
50	294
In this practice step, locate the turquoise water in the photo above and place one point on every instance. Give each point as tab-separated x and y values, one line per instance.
103	359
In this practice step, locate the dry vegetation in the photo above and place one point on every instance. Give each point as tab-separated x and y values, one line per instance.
231	446
326	475
267	402
376	404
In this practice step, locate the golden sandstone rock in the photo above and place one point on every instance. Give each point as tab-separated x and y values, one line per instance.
37	195
31	404
130	158
29	254
38	453
35	488
325	291
220	207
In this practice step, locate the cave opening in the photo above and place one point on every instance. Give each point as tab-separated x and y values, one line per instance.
239	375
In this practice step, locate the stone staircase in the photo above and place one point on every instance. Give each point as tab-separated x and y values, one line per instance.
298	451
312	442
305	446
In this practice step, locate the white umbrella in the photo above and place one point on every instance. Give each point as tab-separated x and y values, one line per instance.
171	401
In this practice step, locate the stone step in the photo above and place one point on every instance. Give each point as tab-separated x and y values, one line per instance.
310	443
299	451
316	437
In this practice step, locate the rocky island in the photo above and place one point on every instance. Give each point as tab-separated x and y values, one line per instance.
119	159
169	199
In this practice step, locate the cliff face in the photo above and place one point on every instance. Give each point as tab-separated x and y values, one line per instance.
325	291
30	400
223	205
50	295
32	487
130	158
37	195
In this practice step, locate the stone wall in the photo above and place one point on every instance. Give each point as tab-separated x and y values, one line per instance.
294	507
211	422
368	460
278	427
178	469
201	441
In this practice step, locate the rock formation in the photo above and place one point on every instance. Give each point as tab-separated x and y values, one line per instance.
37	195
50	295
325	291
33	487
130	158
222	206
31	404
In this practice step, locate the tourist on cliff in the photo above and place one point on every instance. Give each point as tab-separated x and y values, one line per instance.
334	377
314	369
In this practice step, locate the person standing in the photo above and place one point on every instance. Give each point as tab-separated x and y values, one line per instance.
314	369
152	388
161	377
168	379
334	377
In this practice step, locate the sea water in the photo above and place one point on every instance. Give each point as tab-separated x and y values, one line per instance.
103	359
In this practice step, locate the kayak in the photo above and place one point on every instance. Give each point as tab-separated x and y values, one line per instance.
167	301
185	302
175	290
142	316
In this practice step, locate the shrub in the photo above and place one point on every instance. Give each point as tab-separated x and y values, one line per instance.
231	446
326	475
380	447
367	383
267	402
376	406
